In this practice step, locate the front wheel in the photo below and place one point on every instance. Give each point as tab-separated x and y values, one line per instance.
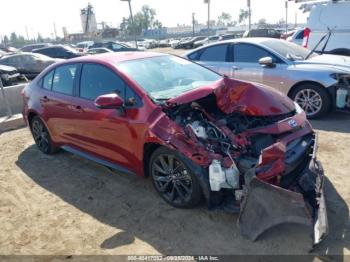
174	179
313	99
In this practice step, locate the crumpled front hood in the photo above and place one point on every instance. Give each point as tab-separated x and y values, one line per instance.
237	96
251	99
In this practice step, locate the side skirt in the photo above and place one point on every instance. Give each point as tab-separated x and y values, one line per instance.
97	160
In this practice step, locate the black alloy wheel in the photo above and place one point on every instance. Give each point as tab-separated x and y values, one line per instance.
41	136
173	179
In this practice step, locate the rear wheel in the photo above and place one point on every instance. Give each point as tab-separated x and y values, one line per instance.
41	136
173	178
313	99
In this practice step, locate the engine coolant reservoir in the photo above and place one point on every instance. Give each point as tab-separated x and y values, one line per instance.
341	97
223	178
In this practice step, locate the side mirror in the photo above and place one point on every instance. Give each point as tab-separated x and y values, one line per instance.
109	101
266	61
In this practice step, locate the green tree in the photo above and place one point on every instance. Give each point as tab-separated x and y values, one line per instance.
143	20
224	19
13	37
243	15
6	40
148	16
39	38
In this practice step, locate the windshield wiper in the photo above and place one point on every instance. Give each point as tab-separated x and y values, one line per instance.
328	34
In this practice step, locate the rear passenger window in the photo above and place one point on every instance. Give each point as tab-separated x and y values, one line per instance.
215	53
98	80
63	80
47	81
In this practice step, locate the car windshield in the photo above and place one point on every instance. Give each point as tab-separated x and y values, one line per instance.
288	50
165	77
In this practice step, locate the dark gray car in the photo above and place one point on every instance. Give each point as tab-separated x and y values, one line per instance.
28	64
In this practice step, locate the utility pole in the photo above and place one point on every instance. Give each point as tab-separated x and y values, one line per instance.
54	29
286	3
193	23
132	21
249	15
27	33
88	13
208	2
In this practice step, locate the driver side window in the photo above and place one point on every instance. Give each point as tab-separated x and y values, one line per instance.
99	80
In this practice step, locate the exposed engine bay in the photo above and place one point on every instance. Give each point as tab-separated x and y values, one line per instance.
262	166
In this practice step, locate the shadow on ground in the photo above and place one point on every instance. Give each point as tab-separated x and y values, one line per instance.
335	122
131	205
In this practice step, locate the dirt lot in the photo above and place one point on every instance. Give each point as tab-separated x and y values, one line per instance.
63	204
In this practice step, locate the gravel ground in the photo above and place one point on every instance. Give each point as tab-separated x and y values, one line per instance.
65	205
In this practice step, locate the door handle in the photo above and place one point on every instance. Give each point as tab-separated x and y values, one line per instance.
235	68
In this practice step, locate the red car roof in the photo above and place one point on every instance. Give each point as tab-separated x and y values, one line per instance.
116	57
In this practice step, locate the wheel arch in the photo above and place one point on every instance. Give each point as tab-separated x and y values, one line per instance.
296	85
148	149
30	117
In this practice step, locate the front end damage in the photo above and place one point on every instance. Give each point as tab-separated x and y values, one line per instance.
255	152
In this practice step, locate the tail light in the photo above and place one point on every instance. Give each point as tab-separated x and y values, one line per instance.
307	32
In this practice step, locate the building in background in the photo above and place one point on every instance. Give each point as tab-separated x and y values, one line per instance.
88	20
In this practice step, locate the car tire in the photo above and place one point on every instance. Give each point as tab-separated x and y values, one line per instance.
42	136
313	99
180	189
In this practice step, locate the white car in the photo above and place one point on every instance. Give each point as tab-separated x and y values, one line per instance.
325	16
297	37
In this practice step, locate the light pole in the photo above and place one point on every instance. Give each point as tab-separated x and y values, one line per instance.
249	15
286	16
193	23
132	21
208	2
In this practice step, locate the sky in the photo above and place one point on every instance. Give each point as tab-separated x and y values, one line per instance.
39	16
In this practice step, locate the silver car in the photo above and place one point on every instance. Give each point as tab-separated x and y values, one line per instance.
318	83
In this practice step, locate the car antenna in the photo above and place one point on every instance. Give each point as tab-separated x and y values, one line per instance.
319	42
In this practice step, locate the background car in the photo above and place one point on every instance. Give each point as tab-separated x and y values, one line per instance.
100	50
2	53
268	32
205	41
318	83
30	48
113	46
227	37
297	37
9	75
84	46
58	51
28	64
189	43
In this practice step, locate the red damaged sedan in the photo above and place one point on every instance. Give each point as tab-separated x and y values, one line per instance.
244	148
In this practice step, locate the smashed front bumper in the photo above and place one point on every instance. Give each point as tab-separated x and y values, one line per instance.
266	205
